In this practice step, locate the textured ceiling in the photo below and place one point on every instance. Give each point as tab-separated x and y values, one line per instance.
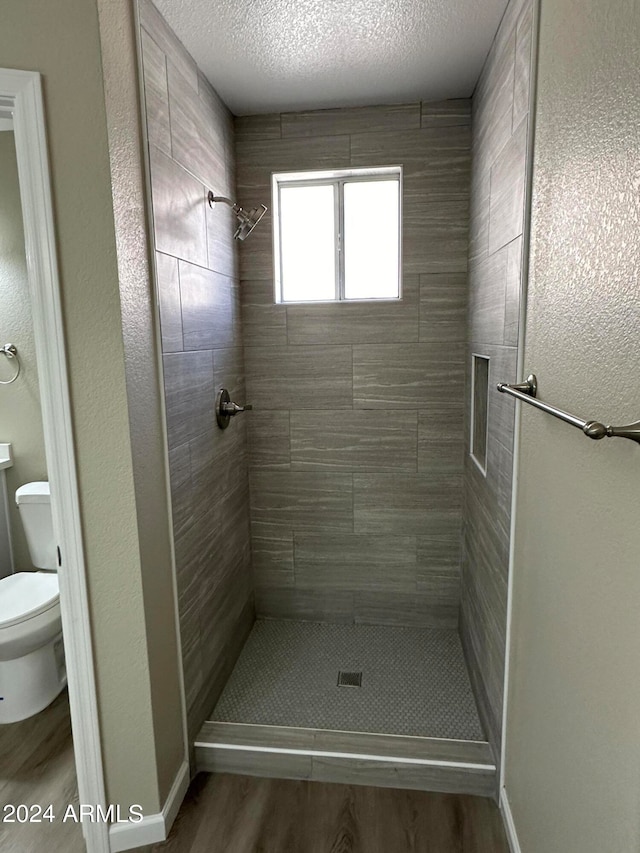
277	55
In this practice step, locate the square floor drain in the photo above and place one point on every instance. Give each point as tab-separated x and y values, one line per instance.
349	679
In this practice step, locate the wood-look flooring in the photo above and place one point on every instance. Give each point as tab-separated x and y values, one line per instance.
240	814
37	768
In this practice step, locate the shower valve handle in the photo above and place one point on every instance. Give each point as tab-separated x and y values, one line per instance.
232	409
227	409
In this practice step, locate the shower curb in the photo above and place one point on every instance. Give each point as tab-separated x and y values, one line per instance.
356	758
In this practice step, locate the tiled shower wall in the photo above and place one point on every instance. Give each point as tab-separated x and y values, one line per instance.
499	165
191	142
356	436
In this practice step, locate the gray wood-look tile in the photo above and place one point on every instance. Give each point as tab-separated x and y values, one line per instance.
354	441
500	107
309	501
168	42
522	81
180	476
208	467
479	214
435	235
357	322
348	771
417	610
197	145
513	290
484	646
456	111
258	158
190	641
242	734
435	160
337	122
411	375
494	93
189	393
168	285
490	716
354	562
274	765
487	293
443	307
400	746
178	210
265	126
218	469
506	215
279	602
219	118
501	406
299	377
268	435
228	372
208	315
256	255
221	609
222	255
220	666
438	567
272	560
360	743
441	439
156	94
415	504
263	321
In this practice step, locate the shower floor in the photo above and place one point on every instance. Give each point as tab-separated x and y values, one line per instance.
414	681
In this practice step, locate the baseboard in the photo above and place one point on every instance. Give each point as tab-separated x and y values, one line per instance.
155	827
509	825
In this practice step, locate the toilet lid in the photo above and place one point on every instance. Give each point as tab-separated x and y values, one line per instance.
26	594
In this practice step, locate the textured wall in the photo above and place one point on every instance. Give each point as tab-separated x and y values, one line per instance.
500	135
573	729
191	142
355	509
20	416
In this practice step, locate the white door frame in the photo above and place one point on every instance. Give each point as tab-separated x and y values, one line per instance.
24	89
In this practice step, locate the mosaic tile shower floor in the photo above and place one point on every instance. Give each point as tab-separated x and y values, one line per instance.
414	680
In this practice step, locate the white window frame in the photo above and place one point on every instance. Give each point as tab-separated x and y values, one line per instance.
336	178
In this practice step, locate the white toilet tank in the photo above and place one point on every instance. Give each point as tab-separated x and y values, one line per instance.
34	506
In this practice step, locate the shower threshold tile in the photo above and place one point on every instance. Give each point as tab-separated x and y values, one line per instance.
414	681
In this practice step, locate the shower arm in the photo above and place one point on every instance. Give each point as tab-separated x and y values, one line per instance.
211	198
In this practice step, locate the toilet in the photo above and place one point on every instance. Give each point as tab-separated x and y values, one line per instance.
32	669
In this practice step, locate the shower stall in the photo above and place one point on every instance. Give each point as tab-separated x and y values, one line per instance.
342	545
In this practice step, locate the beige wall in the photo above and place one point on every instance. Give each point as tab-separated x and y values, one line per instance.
62	41
573	732
20	416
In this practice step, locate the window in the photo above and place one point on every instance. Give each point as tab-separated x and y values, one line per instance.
479	410
337	235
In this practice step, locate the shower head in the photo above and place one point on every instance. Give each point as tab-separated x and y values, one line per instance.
248	221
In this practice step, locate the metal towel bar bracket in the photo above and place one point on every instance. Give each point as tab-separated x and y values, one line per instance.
527	391
11	353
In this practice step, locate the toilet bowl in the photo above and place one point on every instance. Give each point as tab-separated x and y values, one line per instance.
32	669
